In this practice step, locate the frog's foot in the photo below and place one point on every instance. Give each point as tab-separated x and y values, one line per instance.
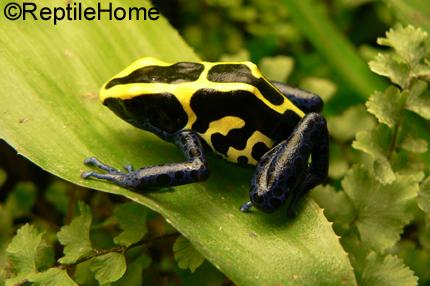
126	180
194	169
92	161
246	207
284	172
112	174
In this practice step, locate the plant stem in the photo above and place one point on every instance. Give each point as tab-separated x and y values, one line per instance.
119	249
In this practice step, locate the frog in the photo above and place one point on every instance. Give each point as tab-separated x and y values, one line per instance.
231	109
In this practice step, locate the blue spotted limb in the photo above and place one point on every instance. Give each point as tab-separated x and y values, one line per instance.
192	170
284	172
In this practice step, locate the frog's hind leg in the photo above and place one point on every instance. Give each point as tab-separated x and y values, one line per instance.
284	171
192	170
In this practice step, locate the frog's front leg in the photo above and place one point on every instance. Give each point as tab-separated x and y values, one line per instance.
193	169
284	172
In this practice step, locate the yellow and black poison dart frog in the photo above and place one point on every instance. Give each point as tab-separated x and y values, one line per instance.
231	108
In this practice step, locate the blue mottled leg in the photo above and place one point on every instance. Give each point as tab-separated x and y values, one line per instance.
316	173
284	172
192	170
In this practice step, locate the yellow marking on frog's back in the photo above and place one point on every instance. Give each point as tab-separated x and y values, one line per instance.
225	125
184	91
222	126
233	154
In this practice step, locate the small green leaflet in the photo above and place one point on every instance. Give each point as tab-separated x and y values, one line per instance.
186	255
76	236
83	274
413	144
409	60
419	99
378	206
337	206
133	274
424	196
386	65
387	106
108	267
52	277
386	270
408	42
22	253
376	142
132	220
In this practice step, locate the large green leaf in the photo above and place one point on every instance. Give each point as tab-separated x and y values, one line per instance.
49	112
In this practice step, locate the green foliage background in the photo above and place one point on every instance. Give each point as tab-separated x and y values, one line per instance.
377	196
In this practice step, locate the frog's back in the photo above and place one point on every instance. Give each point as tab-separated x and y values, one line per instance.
233	108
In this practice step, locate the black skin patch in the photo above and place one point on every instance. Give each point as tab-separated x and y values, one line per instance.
161	111
179	175
163	179
231	73
177	73
242	73
211	105
259	150
242	160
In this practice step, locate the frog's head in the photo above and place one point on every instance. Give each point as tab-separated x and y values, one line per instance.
145	94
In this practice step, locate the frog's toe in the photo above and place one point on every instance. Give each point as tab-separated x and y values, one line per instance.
246	207
87	174
94	162
129	168
90	161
